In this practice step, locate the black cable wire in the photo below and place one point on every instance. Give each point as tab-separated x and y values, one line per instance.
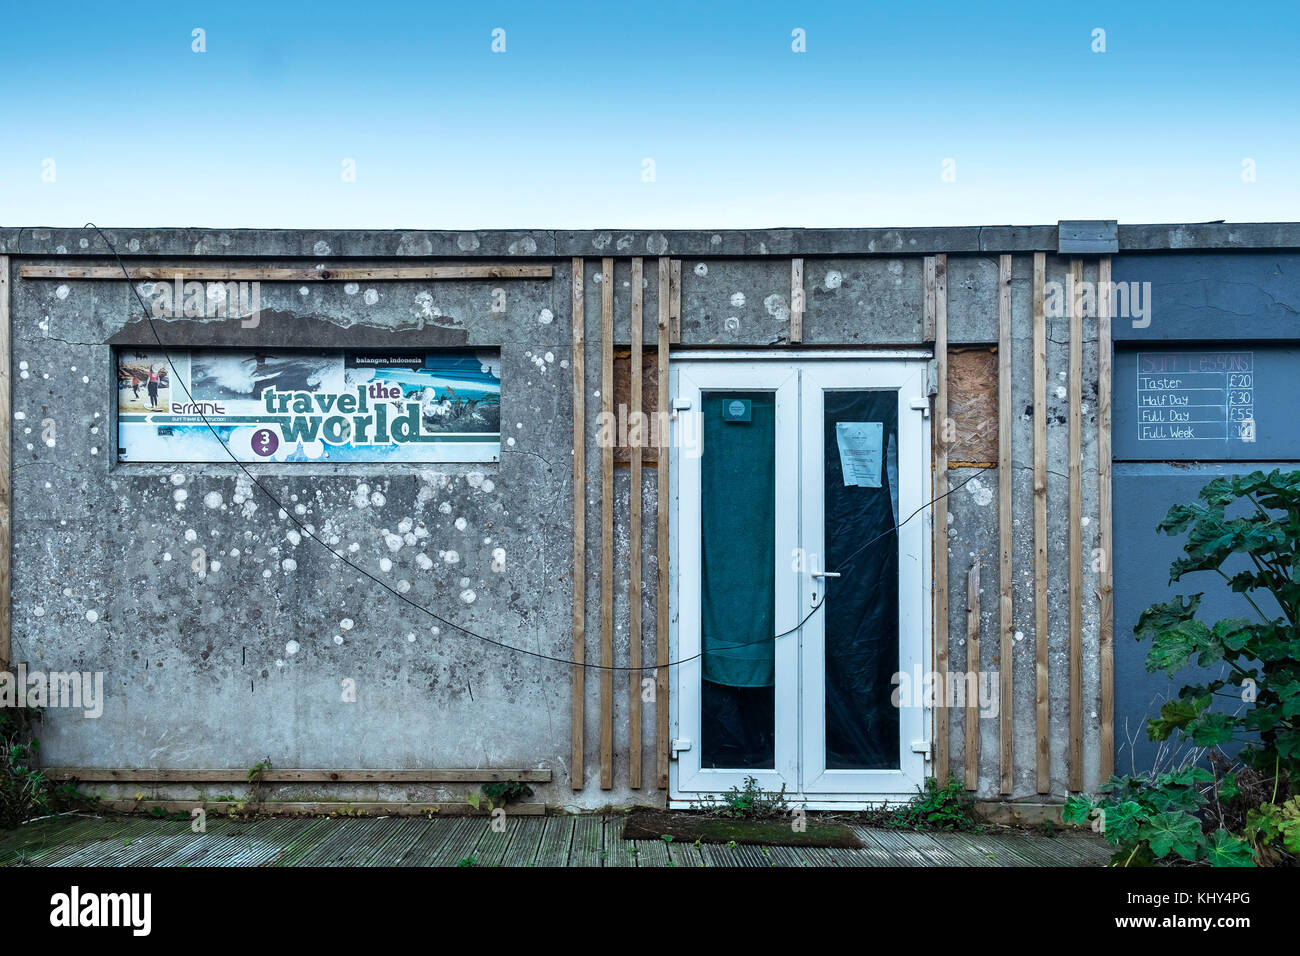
402	597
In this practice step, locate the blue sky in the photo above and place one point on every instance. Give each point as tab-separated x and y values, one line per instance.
554	132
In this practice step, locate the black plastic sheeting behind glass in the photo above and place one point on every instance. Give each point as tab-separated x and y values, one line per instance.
861	610
737	580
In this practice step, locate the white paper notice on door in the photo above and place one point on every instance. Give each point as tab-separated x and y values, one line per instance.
860	452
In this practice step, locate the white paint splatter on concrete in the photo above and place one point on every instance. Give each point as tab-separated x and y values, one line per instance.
777	308
982	496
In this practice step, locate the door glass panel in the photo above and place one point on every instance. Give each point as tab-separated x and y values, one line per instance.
861	610
738	570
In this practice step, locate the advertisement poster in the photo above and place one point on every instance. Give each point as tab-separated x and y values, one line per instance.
308	406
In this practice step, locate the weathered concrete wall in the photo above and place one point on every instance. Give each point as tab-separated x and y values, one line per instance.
973	530
199	667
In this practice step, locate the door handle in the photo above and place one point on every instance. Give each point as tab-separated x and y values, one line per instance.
825	574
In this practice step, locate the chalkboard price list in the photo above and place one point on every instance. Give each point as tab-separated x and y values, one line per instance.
1186	396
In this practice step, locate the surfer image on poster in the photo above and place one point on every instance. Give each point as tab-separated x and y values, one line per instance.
143	382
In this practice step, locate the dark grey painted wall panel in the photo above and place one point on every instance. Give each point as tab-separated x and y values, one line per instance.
1212	295
1144	493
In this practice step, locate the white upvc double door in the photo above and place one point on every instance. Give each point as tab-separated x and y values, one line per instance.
813	651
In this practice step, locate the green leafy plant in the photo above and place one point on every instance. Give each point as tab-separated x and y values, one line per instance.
1186	814
256	774
950	807
506	791
750	802
1263	654
25	792
1274	830
23	788
1154	818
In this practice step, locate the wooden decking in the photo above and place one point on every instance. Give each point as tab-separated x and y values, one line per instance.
585	841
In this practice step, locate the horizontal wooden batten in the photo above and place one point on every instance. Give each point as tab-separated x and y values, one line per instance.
132	775
235	273
321	808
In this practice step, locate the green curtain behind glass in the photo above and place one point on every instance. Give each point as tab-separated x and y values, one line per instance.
738	477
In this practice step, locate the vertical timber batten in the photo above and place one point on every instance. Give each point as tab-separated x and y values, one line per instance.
579	531
1042	690
634	742
675	301
1006	655
1105	531
661	529
1074	303
796	301
972	727
607	528
936	302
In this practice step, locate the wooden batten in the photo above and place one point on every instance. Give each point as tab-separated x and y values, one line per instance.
579	645
318	808
607	529
927	325
796	301
937	318
1075	306
1006	609
634	742
675	302
972	717
1042	689
662	730
305	775
189	273
1105	530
